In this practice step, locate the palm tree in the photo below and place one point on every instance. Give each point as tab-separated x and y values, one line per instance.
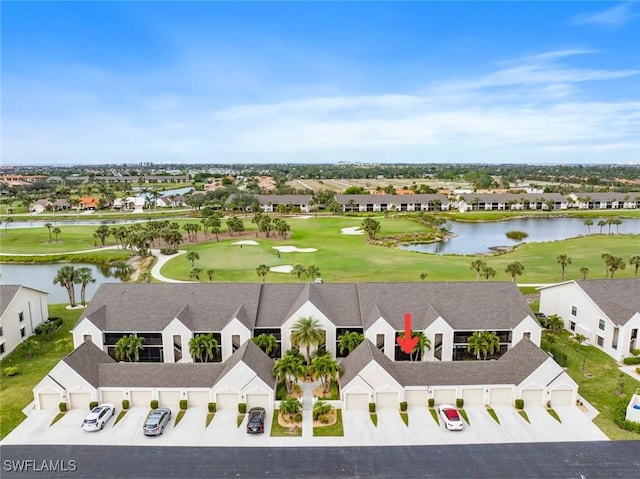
48	329
56	231
554	323
617	263
422	344
488	272
325	368
210	273
635	261
202	347
192	256
588	223
602	224
288	369
350	341
66	276
290	407
195	273
491	342
514	269
563	260
49	226
321	409
298	270
372	227
313	272
84	277
579	339
267	342
617	222
103	232
307	332
423	276
476	344
129	347
30	346
7	220
478	266
607	262
585	271
262	270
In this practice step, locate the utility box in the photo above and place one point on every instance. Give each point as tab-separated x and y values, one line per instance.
633	409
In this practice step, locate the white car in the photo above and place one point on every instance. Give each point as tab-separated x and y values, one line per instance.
451	418
98	417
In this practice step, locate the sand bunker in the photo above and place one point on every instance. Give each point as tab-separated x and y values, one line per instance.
285	268
354	230
246	242
293	249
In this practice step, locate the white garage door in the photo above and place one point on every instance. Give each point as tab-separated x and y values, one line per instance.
49	400
500	396
79	400
532	397
444	396
473	396
257	400
140	398
113	397
387	400
198	398
416	398
357	401
227	401
169	398
561	397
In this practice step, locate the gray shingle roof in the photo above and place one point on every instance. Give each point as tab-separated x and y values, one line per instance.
86	360
278	199
395	199
619	299
174	375
8	292
360	357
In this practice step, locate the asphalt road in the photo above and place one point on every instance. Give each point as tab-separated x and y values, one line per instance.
583	460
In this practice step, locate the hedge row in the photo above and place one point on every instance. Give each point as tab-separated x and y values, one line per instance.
559	356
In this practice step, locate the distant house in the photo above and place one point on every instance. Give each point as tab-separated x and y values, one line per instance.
171	201
606	311
270	203
88	203
40	206
385	202
22	309
605	201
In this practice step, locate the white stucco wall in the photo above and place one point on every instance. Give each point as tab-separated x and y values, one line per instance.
232	328
372	379
308	309
86	327
528	325
34	308
176	327
242	380
62	378
549	376
437	327
381	326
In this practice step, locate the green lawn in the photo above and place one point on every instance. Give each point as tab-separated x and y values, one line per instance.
333	430
16	391
601	389
280	431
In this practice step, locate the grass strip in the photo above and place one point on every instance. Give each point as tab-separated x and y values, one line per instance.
493	414
120	416
554	414
524	414
434	415
240	419
210	417
179	416
374	418
334	430
283	431
465	416
405	418
59	416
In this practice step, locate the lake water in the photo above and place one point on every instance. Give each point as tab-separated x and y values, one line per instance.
475	238
40	276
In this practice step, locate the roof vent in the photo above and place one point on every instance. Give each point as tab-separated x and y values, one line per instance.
122	292
191	291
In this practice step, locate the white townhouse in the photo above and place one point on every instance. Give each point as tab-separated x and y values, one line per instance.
606	311
22	309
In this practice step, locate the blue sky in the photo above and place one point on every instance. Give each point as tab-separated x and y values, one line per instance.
245	82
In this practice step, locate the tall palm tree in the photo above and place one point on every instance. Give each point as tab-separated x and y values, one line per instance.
49	226
262	271
192	256
476	344
298	270
288	369
30	346
66	276
563	260
210	272
422	344
514	269
588	223
585	271
84	277
195	273
635	261
478	265
56	231
325	368
350	341
307	333
202	347
617	263
103	232
7	220
607	262
491	342
267	342
313	272
488	272
602	224
129	347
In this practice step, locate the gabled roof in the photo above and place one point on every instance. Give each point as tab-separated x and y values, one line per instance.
366	352
254	358
619	299
86	360
9	291
172	375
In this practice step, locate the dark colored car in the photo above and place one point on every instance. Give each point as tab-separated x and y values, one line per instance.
156	421
255	423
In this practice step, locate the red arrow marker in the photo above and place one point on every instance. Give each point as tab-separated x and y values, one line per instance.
407	343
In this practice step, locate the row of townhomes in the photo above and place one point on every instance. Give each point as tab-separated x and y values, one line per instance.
460	202
22	310
169	315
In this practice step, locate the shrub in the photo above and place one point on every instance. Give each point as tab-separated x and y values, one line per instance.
372	407
125	404
168	251
93	404
432	402
519	403
459	402
63	407
635	352
183	404
11	370
297	417
560	356
324	419
516	235
631	361
242	407
212	407
403	406
638	370
154	404
620	414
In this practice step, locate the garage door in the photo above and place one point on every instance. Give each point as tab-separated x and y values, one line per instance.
387	400
79	400
227	401
500	396
169	398
198	398
113	397
416	398
140	398
258	400
473	396
357	401
532	397
49	400
444	396
561	397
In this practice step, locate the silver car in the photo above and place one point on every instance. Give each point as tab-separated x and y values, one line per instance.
156	421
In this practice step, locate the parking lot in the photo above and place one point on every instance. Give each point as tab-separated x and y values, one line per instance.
358	429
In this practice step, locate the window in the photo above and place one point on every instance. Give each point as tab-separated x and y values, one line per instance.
1	331
572	325
526	335
574	310
86	338
22	333
21	316
601	325
2	348
380	342
600	341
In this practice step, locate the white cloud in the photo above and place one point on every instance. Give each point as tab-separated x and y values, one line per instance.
615	17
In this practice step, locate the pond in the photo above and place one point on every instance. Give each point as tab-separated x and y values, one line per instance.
477	238
40	276
68	221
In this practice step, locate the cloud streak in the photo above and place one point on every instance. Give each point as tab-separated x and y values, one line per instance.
613	18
